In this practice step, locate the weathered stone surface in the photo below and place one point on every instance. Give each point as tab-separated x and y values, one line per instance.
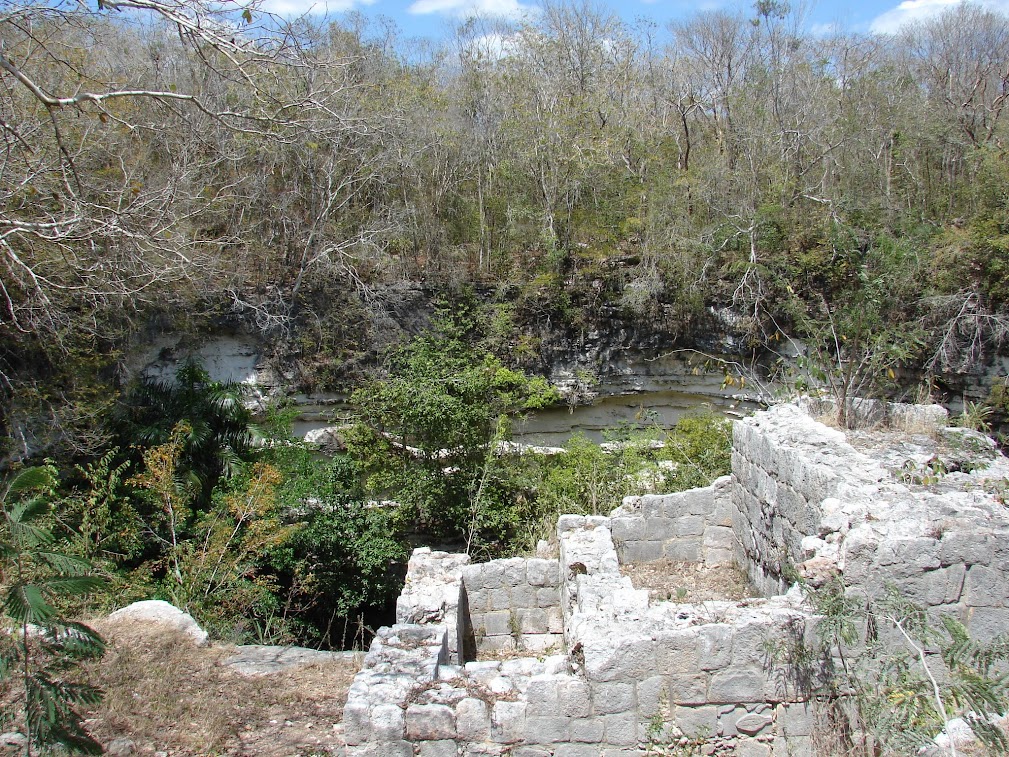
752	724
798	492
472	717
430	722
508	722
438	749
697	721
159	613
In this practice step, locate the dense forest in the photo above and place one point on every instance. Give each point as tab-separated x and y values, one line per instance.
184	166
181	166
171	165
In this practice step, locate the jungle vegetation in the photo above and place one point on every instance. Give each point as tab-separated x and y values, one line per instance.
179	165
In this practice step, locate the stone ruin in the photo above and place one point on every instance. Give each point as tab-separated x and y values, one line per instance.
599	668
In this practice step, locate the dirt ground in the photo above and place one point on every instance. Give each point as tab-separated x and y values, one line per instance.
174	699
669	580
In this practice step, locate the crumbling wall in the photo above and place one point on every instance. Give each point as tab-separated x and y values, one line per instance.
692	526
806	503
630	671
514	605
699	670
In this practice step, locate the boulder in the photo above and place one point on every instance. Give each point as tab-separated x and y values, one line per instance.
159	612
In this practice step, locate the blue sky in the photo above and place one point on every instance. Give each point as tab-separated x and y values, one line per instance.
434	19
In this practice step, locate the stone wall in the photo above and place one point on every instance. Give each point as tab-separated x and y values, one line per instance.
807	503
692	526
631	671
514	605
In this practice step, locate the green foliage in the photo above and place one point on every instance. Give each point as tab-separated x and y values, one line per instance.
218	427
913	672
341	557
39	650
700	447
425	431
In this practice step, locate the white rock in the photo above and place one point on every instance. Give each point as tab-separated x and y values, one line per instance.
159	612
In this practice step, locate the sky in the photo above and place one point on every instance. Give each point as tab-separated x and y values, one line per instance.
435	19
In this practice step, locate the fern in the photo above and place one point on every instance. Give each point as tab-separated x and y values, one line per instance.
41	651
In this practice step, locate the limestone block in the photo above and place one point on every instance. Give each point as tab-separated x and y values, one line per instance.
677	651
157	612
548	597
719	557
696	721
587	730
543	573
357	722
498	623
576	750
532	621
382	749
477	599
688	689
648	694
487	750
547	729
499	599
984	587
715	647
491	644
968	548
688	525
612	698
523	595
555	620
445	748
727	717
607	659
630	529
718	537
752	723
472	717
796	719
574	697
738	685
984	623
620	730
488	575
530	751
508	721
749	644
538	643
797	746
543	696
752	748
430	722
388	722
641	551
685	550
936	587
691	502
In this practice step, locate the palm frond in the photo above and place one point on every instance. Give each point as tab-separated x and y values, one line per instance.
37	478
68	565
26	603
72	584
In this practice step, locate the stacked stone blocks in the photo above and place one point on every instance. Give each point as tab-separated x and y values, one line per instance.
514	605
692	526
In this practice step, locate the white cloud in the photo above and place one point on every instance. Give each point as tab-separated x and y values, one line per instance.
824	30
512	9
916	10
295	8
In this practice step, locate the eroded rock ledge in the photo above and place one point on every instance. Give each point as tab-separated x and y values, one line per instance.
608	670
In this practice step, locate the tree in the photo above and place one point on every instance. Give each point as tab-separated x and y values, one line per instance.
39	649
426	430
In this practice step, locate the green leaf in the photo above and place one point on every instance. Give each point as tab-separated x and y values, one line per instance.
26	604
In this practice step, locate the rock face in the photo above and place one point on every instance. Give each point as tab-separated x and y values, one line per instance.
616	672
158	612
